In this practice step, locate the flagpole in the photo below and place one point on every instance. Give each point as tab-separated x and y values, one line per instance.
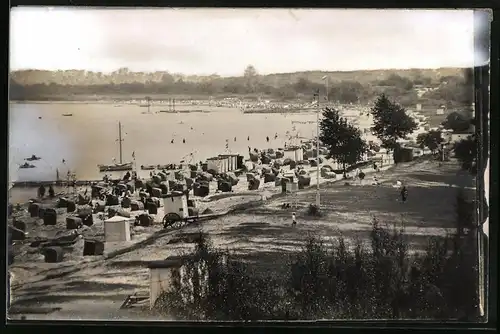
318	198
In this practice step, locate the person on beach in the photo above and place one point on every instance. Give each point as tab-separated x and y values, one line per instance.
52	193
267	138
234	138
294	219
183	140
41	191
276	136
172	141
248	138
404	194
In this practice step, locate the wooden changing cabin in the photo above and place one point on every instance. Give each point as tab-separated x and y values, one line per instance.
165	274
295	153
117	229
232	161
217	164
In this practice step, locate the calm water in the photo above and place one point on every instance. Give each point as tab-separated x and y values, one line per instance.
89	137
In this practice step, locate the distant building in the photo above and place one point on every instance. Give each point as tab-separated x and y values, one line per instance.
456	137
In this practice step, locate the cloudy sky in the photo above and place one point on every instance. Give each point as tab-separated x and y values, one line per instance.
225	41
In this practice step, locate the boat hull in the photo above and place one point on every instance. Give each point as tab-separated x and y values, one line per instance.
115	168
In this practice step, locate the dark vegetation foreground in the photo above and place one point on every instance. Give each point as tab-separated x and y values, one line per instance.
383	281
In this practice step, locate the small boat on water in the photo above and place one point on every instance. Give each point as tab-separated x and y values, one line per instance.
148	167
166	167
27	165
116	167
67	115
187	111
33	158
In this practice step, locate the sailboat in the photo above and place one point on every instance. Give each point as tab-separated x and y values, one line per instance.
121	166
148	105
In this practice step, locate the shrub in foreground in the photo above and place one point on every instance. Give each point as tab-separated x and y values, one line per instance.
381	280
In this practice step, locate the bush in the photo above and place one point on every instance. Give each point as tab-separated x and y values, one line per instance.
361	176
312	210
381	280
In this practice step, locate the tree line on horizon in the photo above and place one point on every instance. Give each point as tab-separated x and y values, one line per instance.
451	90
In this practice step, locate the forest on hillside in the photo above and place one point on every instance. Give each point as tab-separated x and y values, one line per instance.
429	87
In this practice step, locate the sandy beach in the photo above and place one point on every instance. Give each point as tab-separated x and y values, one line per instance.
262	232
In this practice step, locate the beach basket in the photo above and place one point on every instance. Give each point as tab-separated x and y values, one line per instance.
70	206
126	202
53	254
19	225
145	220
93	248
152	208
112	200
73	223
136	206
49	217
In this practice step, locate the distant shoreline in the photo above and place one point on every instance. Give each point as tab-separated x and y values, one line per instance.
199	107
83	102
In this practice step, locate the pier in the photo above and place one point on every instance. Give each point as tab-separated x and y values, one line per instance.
59	183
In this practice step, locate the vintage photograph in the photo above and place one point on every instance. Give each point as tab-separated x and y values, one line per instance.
243	164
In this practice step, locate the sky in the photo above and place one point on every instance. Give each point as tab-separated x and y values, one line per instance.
225	41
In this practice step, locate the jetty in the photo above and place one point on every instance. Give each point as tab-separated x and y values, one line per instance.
59	183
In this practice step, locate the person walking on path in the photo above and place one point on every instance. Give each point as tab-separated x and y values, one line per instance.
404	194
294	219
52	193
41	191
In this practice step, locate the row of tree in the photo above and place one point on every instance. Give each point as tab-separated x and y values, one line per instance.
454	90
391	124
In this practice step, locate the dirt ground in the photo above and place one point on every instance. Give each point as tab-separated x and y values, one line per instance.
263	236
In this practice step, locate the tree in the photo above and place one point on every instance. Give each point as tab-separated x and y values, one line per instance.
466	153
346	92
391	122
457	122
344	141
250	78
432	140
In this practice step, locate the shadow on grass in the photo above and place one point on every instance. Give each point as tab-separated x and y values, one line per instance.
44	299
263	259
77	287
284	238
448	179
425	207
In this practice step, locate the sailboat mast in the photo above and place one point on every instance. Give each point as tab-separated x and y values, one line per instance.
120	140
